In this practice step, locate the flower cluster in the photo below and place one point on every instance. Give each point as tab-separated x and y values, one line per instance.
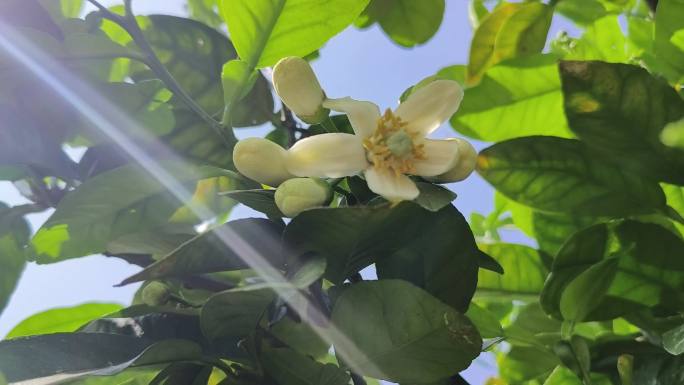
385	148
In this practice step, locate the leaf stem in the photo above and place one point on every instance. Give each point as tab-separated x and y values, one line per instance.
129	23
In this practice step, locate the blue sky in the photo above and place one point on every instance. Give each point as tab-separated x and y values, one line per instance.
363	64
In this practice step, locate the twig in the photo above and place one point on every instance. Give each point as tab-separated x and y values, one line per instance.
129	23
289	123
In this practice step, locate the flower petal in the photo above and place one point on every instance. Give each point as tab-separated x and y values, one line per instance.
391	186
362	115
327	156
440	156
429	106
464	165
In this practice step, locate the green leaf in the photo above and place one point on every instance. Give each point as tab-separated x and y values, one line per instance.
407	22
69	356
673	134
195	54
552	230
519	97
673	340
14	234
582	12
441	257
205	11
405	334
263	32
645	275
433	197
667	25
562	376
563	175
586	291
259	200
66	319
234	313
620	110
292	368
485	321
524	273
88	217
524	363
214	251
302	337
602	40
510	30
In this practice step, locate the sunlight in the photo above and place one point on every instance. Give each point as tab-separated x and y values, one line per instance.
118	127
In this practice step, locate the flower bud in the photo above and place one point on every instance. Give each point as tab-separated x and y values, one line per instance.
298	194
297	85
463	165
261	160
155	294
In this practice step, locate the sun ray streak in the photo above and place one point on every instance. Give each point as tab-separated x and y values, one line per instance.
113	123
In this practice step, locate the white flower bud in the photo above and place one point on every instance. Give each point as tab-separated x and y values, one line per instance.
261	160
463	165
298	194
297	85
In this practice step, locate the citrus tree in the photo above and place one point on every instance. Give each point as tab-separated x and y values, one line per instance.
585	150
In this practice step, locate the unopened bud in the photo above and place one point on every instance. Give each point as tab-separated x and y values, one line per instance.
261	160
155	294
625	367
298	194
463	165
297	85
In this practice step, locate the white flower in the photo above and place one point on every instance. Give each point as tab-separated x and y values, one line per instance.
462	167
388	147
261	160
297	85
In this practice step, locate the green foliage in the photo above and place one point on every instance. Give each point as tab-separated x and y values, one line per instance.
60	320
585	155
406	22
406	334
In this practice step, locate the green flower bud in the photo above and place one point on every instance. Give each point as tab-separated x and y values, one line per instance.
261	160
298	194
156	293
463	165
297	85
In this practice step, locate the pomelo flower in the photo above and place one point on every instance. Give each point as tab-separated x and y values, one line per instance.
385	148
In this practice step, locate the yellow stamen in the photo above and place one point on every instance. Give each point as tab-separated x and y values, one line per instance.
381	155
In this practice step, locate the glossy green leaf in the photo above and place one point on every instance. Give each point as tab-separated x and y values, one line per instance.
667	25
524	273
259	200
510	30
69	356
485	321
214	251
563	175
562	376
263	32
552	230
406	22
302	337
524	363
602	40
582	12
585	292
14	234
205	11
234	313
406	334
195	54
292	368
620	110
673	340
519	97
441	258
58	320
633	261
433	197
673	134
93	214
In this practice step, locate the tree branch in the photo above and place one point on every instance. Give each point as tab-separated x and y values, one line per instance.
129	23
